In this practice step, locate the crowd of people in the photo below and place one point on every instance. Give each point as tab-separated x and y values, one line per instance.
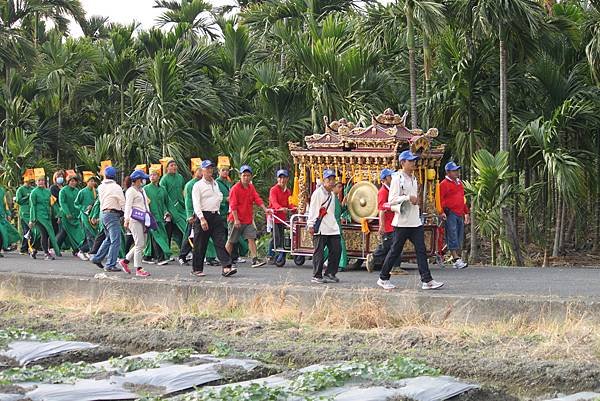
120	227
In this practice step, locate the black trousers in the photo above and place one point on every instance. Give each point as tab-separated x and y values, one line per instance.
24	243
186	248
382	250
334	245
45	239
416	235
218	232
172	230
98	242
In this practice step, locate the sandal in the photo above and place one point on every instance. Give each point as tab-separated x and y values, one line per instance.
198	274
230	272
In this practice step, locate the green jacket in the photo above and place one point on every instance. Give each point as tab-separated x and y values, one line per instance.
22	196
224	187
189	205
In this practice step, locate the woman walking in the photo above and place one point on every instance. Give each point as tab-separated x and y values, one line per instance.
136	205
40	219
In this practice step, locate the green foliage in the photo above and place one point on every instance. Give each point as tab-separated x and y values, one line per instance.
14	334
66	372
220	349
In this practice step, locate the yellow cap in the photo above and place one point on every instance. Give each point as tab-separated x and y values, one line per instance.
223	161
87	175
164	161
141	167
104	164
39	173
156	168
195	163
29	175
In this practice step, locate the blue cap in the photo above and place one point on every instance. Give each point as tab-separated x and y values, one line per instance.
328	173
451	166
206	163
138	174
246	169
407	155
110	172
283	172
386	172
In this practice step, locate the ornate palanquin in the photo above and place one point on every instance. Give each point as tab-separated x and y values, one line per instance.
359	154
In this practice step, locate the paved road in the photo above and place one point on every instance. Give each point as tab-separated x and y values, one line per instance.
473	281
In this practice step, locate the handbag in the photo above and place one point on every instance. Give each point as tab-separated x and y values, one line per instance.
322	213
144	216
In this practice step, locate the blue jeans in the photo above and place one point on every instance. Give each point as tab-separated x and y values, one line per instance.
112	243
455	231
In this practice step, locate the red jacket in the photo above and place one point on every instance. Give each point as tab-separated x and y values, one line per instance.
452	196
242	200
388	216
278	199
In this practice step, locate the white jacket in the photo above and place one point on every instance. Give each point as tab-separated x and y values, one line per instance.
320	198
402	188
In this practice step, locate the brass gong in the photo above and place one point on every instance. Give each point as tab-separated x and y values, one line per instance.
362	201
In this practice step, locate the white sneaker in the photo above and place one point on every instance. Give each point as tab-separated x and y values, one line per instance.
385	284
460	264
432	285
82	256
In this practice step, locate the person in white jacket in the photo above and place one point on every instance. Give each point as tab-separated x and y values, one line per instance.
404	202
325	230
135	198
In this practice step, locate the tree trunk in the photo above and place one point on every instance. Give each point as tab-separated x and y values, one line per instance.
557	227
474	251
122	110
563	227
597	242
525	217
503	100
59	128
410	42
427	75
512	236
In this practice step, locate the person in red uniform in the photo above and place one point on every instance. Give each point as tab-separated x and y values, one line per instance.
386	231
242	198
455	212
279	202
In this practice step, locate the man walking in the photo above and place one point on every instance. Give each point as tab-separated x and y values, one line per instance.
84	202
404	202
279	202
206	199
386	230
455	212
173	183
157	245
22	195
324	228
112	204
242	198
225	184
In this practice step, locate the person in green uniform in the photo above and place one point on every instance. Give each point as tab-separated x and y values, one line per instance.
8	233
225	184
341	213
84	202
40	219
22	199
69	218
186	246
158	240
173	183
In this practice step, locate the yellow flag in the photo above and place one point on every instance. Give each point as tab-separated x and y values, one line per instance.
223	161
438	199
294	199
364	225
39	173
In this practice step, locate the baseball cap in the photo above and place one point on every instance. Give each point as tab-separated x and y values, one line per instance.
246	168
451	166
110	172
283	172
206	163
386	172
407	155
138	174
327	173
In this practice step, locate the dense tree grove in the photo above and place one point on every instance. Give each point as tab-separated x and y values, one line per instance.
512	86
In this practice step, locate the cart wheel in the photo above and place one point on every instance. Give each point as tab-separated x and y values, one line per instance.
280	262
299	260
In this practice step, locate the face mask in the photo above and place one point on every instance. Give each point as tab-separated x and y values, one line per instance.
60	180
143	182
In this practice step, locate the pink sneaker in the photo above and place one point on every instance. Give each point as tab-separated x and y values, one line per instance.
142	273
124	266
